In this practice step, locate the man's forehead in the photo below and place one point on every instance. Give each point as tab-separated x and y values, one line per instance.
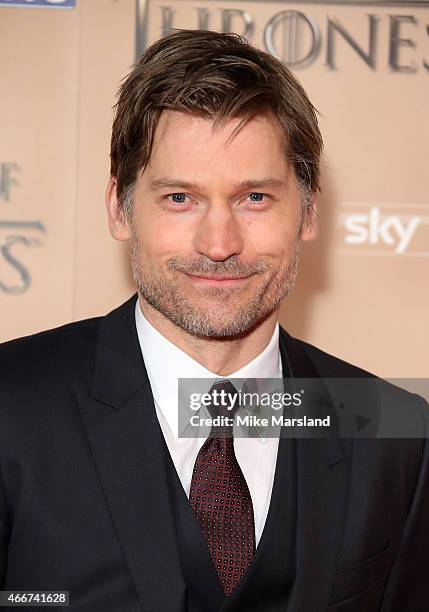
182	138
172	122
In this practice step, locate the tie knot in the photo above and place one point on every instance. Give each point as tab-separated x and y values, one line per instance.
224	404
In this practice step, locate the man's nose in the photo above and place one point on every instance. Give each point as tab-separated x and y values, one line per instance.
218	235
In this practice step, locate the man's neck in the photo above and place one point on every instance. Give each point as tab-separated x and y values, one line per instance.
223	356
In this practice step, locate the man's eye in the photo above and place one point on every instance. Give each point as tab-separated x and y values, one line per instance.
257	197
177	198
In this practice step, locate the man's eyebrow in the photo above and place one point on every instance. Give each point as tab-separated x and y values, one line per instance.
173	183
260	183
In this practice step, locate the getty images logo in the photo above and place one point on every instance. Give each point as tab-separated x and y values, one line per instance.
385	229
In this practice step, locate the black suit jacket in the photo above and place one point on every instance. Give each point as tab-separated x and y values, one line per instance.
83	507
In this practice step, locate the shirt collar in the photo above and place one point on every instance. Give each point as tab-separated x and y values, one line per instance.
166	363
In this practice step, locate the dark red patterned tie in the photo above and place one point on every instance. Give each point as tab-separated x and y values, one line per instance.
221	499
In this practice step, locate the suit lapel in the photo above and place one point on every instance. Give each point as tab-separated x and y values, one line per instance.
322	482
126	441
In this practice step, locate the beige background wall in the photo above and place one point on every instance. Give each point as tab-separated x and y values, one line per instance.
366	302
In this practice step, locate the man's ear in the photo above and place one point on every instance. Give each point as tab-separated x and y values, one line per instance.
118	225
310	220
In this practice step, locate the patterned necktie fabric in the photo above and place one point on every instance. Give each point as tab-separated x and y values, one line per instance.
220	496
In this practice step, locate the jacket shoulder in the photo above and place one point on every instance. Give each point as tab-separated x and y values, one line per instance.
51	352
391	395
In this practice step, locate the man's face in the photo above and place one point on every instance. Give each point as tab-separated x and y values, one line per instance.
216	224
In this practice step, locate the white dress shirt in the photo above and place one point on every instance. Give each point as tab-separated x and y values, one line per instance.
165	364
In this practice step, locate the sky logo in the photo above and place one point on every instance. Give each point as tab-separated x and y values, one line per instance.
385	229
39	3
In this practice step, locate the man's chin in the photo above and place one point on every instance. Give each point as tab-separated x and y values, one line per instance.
212	330
203	296
215	322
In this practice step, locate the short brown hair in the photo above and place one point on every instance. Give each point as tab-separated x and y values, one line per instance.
216	76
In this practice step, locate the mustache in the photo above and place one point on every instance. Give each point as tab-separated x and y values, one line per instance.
231	267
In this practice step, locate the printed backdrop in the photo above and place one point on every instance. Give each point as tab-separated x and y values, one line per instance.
363	288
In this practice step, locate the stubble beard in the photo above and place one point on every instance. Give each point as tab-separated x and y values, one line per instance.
224	315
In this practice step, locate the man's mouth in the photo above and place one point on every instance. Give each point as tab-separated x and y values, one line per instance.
217	281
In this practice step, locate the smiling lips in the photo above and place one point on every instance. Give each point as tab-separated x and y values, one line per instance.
218	281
